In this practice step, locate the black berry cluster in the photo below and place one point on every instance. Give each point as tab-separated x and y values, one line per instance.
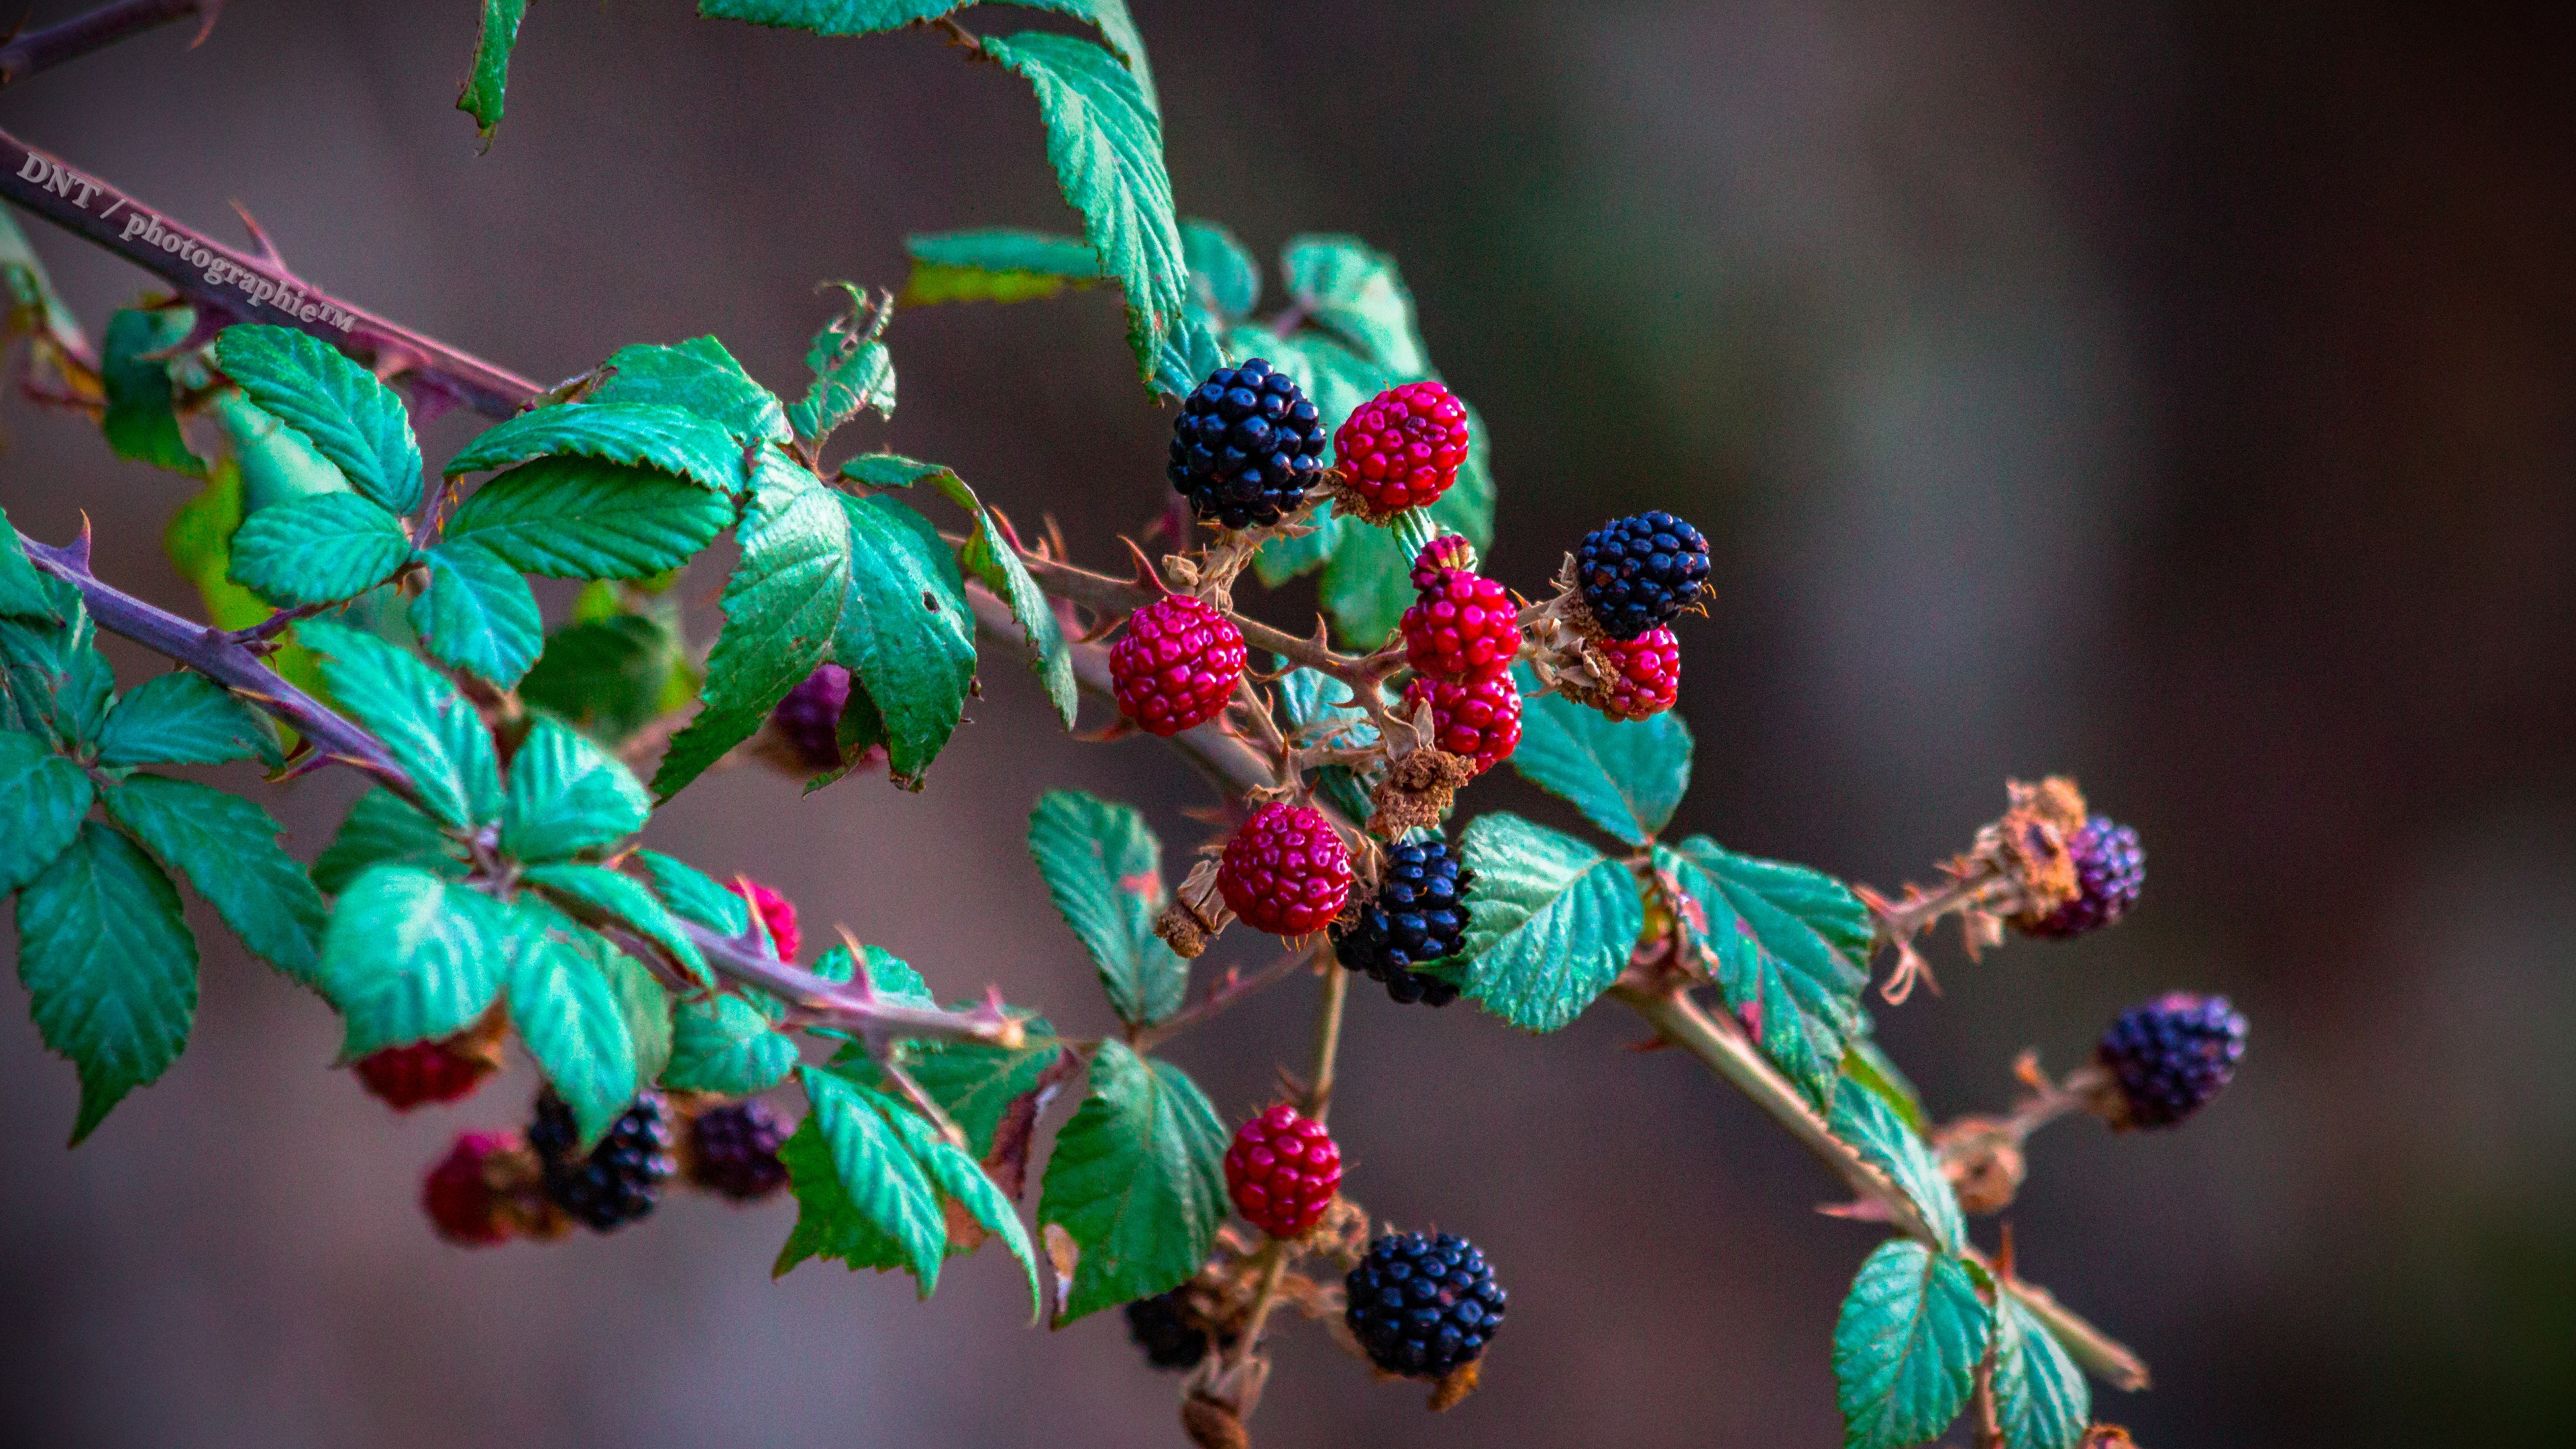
1639	572
733	1150
621	1179
1246	446
1422	1306
2110	868
2172	1055
1170	1335
1418	916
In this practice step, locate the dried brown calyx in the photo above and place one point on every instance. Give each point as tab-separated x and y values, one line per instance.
2020	869
1197	913
1417	791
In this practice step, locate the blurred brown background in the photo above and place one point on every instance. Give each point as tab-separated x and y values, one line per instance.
2179	396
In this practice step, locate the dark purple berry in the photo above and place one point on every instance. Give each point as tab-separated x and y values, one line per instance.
2171	1056
1418	916
621	1178
734	1150
2110	870
1639	572
1170	1334
1246	446
809	718
1422	1306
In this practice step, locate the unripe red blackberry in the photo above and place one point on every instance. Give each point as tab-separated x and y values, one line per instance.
1641	571
2171	1056
2110	870
425	1071
733	1150
1285	871
1460	624
777	913
1422	1306
1177	665
809	718
1403	448
620	1180
1478	717
1282	1171
458	1197
1246	446
1645	675
1418	916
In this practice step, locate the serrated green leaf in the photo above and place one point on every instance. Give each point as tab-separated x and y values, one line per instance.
695	895
698	375
871	17
569	1017
87	694
1106	144
891	470
885	1188
1104	869
410	957
138	421
781	606
1789	946
198	542
1550	921
43	797
989	555
641	435
482	96
318	550
853	371
644	1004
23	593
905	629
184	718
1352	289
582	518
1227	280
1190	351
1907	1346
349	417
998	264
227	848
1626	777
978	1084
610	676
35	310
478	614
1137	1181
1869	1124
109	967
277	463
962	1179
625	899
1870	1068
383	829
431	729
2041	1399
724	1044
567	794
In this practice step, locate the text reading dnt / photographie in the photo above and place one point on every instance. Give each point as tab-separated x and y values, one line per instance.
492	887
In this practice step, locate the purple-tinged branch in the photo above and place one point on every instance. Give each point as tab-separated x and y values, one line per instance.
40	50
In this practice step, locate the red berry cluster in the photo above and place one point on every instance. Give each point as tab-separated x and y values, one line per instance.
1177	665
1645	675
1461	636
1282	1172
1285	871
1479	717
425	1071
1403	448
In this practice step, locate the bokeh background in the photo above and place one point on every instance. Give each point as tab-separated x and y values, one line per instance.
2183	396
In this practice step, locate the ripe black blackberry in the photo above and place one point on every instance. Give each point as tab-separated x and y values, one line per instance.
1246	446
2171	1056
1418	916
1168	1332
622	1178
2110	870
734	1150
1639	572
1422	1306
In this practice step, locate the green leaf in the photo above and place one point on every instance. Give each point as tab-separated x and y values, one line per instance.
1104	868
1137	1181
1352	289
1871	1069
886	1191
88	693
892	470
991	557
277	463
978	1084
184	718
629	902
318	550
2041	1399
43	797
1106	144
349	417
999	264
482	96
1227	280
109	967
724	1044
227	848
138	420
410	957
641	435
698	375
23	593
1190	351
581	518
478	614
780	607
962	1179
566	795
35	310
1789	946
1550	921
570	1019
853	371
1868	1123
610	676
645	1006
1626	778
1907	1346
695	895
383	829
871	17
905	629
198	542
432	730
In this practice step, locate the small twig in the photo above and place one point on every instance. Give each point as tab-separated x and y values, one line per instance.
1225	994
41	50
1328	1042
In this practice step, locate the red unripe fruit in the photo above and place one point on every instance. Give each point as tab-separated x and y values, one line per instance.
1176	666
458	1193
425	1071
1282	1172
1285	871
1403	448
1478	717
1460	624
777	913
1647	675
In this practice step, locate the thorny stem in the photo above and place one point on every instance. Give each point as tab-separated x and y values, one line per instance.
96	29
